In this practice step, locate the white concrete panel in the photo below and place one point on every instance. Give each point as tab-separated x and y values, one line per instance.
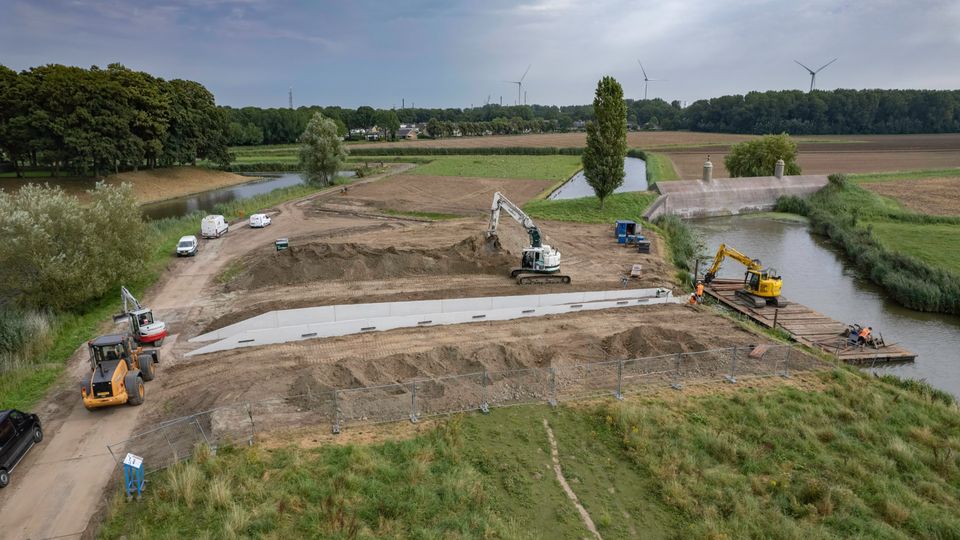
399	309
290	317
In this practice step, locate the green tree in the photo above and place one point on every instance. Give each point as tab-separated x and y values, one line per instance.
321	150
435	128
60	254
606	140
759	157
389	123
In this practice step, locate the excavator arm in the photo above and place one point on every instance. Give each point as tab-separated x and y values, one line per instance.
502	203
723	252
130	302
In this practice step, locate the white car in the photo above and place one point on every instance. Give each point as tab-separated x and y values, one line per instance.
259	221
187	246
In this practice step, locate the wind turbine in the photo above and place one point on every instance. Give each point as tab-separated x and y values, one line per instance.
813	72
646	80
520	83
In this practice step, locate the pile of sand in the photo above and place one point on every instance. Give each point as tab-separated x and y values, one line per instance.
356	262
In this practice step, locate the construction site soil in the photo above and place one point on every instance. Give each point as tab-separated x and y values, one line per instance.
937	196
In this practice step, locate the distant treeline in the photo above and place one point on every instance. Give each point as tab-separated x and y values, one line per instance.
794	112
84	121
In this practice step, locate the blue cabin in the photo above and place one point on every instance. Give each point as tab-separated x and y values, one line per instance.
626	231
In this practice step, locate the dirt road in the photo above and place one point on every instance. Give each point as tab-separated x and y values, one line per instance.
58	487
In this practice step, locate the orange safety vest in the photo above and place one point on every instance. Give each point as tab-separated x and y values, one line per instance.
865	333
699	289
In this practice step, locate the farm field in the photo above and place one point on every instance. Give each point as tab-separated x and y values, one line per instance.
534	167
148	185
939	196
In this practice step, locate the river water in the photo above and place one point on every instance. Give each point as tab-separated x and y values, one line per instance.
815	274
208	200
634	179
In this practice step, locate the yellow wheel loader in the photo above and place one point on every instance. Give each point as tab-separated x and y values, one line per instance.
118	369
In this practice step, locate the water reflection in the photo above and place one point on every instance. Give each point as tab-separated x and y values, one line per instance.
634	179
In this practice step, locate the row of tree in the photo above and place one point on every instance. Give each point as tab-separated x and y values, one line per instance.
99	120
794	112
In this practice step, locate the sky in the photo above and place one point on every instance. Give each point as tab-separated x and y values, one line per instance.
457	53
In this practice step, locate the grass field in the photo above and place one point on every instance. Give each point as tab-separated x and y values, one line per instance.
936	244
587	210
832	455
660	168
866	178
535	167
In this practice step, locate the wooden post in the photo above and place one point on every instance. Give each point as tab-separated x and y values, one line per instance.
775	313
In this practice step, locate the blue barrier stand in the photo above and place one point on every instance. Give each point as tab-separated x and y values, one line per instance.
133	475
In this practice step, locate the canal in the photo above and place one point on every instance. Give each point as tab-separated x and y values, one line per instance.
634	179
815	274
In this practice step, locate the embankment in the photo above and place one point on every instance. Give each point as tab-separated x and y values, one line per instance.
729	196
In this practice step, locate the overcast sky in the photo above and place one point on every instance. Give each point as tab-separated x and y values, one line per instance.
454	53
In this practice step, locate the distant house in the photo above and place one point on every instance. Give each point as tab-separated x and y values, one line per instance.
374	134
407	133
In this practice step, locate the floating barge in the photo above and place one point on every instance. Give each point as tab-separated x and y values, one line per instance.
807	327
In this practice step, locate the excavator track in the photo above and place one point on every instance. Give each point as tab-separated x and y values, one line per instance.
541	279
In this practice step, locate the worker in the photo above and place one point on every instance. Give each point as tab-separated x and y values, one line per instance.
865	335
699	292
693	299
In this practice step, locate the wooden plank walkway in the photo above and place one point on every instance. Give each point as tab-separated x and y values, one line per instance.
807	326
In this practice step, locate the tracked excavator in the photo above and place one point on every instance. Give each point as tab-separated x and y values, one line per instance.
143	327
539	263
761	286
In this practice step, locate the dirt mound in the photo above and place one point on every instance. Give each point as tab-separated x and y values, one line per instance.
644	341
357	262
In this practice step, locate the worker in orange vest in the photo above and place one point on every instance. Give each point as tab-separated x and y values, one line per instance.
699	292
865	335
693	299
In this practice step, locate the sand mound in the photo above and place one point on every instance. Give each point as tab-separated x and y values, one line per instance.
322	261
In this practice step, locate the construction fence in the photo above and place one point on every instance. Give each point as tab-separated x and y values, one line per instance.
174	440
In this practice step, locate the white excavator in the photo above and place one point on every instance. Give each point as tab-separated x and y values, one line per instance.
540	263
143	327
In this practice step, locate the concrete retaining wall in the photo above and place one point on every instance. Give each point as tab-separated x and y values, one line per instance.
312	323
728	196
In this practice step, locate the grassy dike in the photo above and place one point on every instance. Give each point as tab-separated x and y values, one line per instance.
912	256
24	387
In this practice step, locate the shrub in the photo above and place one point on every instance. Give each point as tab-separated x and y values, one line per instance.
445	151
793	205
60	254
684	243
838	179
759	157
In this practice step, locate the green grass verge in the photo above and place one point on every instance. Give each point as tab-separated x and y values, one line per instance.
936	244
23	388
846	456
629	205
865	178
558	167
660	168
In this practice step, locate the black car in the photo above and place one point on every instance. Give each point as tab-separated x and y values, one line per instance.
19	431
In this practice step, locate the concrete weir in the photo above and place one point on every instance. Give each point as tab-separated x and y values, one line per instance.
327	321
728	196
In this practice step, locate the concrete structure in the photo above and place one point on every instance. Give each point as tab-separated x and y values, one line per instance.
728	196
328	321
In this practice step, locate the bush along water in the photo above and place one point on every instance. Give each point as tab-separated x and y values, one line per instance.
837	211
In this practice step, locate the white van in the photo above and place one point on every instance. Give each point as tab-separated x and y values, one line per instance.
213	226
259	220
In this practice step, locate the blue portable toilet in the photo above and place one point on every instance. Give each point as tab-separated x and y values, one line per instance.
624	228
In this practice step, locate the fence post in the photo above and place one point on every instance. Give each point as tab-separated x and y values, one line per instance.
619	393
732	377
786	364
173	450
253	426
677	385
413	404
336	413
484	406
553	387
205	439
309	395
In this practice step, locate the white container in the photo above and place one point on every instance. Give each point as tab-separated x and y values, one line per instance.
213	226
259	221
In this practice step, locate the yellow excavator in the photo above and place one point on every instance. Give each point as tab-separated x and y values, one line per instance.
761	286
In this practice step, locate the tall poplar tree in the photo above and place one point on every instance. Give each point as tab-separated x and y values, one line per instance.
606	139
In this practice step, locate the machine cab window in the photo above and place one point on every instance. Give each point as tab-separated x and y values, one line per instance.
145	318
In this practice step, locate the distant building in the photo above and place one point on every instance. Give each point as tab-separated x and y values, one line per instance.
407	133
